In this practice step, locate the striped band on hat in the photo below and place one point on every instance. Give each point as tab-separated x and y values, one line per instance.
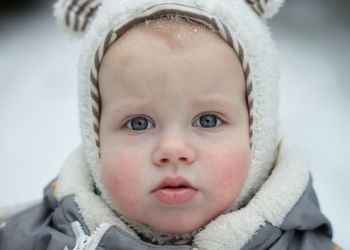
156	12
265	8
79	13
258	6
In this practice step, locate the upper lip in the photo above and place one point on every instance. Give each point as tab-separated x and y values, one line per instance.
173	182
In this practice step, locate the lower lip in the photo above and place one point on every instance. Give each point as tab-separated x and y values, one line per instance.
176	195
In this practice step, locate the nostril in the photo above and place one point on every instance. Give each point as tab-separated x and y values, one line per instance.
164	160
182	158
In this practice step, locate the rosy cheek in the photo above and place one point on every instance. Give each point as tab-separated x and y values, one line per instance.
228	169
121	177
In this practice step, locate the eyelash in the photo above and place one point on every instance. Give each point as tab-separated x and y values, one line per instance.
126	124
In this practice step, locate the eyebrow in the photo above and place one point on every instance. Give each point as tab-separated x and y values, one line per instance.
128	104
214	100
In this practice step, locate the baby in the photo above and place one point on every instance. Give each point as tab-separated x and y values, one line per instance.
178	104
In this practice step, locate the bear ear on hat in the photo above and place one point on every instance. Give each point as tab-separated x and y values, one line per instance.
266	8
74	16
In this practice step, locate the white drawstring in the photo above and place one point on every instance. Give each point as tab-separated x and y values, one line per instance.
85	242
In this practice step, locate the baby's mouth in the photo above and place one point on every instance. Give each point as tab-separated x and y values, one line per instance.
175	187
174	190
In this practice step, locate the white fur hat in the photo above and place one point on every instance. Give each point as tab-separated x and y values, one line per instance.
240	22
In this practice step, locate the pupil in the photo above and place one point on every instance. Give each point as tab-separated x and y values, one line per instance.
139	123
208	121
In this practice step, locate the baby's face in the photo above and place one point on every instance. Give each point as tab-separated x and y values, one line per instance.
174	126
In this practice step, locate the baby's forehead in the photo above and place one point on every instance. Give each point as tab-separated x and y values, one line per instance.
169	51
174	32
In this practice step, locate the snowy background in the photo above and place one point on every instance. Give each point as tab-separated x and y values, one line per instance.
39	115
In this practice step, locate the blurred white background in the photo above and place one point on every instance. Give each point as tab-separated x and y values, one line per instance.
39	114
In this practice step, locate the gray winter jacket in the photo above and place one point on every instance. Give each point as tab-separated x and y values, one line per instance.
59	225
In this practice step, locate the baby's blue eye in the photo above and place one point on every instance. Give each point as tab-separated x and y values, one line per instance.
139	123
208	121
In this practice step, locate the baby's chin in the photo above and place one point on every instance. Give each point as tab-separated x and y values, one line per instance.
178	225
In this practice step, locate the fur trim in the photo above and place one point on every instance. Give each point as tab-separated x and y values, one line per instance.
272	202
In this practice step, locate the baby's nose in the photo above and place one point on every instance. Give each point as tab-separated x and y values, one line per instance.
173	152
